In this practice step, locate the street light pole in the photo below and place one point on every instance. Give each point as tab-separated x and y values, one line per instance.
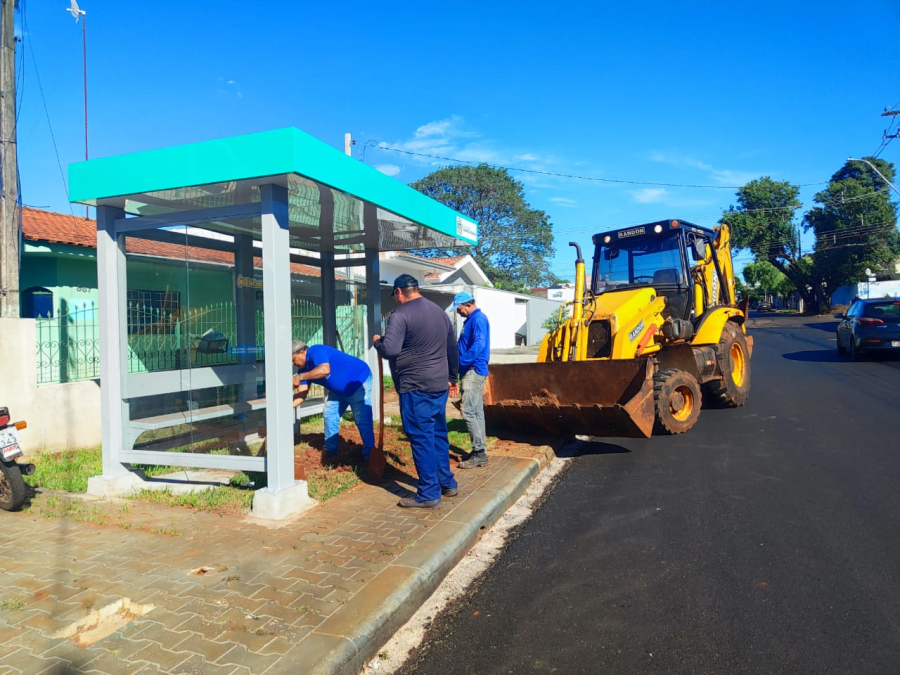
893	187
77	12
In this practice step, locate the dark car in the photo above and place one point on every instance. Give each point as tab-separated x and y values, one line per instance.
764	306
869	326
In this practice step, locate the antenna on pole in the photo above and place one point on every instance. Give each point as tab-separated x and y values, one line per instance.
75	11
79	13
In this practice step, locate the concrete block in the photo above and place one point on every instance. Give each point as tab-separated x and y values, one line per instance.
271	505
114	486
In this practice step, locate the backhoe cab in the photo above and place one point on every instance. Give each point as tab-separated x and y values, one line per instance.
658	322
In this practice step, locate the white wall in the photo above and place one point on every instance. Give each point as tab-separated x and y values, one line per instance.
876	289
506	316
59	416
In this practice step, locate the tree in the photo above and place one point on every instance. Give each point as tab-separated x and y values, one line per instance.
515	242
764	223
855	224
767	278
557	319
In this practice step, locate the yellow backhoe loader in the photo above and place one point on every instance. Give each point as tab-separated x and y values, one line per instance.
656	329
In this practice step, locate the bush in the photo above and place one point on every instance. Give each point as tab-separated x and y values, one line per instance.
555	320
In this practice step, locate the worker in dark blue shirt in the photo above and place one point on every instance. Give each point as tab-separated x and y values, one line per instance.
421	342
474	354
347	381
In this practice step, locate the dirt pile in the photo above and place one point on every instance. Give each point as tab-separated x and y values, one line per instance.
543	398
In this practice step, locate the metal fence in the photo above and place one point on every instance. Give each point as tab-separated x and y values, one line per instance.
68	345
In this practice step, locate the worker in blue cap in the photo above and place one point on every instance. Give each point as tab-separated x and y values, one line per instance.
421	342
474	354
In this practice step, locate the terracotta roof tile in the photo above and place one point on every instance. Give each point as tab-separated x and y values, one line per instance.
59	228
448	261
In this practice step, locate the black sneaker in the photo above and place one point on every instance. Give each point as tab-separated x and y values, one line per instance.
475	460
449	492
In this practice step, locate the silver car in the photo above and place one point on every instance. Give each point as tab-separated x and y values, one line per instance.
869	326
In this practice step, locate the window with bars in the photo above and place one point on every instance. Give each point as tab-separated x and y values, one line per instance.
153	311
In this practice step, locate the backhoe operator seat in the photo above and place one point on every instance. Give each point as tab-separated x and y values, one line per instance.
667	276
677	306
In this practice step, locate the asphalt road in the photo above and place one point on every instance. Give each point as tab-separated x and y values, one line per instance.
765	540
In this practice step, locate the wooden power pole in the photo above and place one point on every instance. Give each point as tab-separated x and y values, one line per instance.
9	178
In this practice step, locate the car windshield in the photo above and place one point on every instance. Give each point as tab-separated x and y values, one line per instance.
641	261
886	311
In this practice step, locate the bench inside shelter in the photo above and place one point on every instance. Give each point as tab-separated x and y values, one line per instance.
174	381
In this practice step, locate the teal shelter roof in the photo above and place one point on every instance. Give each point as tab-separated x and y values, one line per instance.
229	171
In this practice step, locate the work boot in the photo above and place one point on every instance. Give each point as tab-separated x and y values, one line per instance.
449	492
475	460
411	503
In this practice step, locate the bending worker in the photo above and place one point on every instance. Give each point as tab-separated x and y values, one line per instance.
474	354
422	342
347	381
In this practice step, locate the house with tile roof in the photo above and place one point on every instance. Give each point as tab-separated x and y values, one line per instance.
168	282
59	265
175	294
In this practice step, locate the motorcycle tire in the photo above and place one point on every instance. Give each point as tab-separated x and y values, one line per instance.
12	487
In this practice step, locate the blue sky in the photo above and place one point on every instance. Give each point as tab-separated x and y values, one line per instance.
706	93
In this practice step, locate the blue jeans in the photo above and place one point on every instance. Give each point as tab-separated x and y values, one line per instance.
425	424
360	402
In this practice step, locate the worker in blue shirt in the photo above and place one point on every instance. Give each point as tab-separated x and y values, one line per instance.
474	354
347	381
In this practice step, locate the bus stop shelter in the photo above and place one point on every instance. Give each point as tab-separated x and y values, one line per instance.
253	222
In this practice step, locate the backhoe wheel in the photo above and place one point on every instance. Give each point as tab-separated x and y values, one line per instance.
734	361
676	394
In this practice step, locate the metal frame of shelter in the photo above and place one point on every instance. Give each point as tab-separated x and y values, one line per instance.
281	195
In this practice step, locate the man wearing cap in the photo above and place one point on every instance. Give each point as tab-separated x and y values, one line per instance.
421	342
347	381
474	354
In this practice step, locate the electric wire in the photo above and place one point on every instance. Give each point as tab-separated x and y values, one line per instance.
565	175
37	77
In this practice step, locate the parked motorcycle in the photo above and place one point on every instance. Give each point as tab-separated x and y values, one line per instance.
12	485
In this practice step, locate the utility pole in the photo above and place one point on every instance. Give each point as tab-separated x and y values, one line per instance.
348	145
890	113
9	178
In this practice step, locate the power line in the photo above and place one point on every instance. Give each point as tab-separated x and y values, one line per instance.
37	76
569	175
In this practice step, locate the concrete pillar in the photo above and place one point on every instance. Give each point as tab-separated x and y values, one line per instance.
111	293
114	411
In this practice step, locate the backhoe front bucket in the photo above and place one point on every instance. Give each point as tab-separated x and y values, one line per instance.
592	398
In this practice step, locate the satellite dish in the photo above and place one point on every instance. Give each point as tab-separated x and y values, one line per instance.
868	272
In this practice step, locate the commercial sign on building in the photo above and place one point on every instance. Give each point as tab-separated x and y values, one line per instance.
248	282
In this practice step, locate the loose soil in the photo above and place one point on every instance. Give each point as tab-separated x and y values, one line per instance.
544	397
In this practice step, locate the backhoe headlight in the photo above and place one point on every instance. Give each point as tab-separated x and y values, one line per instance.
607	239
657	229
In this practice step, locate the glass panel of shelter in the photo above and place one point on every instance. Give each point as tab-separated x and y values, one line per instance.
195	312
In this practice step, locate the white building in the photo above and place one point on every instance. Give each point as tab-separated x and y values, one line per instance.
515	318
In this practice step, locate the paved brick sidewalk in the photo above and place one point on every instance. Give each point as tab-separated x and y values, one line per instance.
272	598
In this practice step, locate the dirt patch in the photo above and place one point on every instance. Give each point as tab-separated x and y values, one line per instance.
310	458
544	397
103	622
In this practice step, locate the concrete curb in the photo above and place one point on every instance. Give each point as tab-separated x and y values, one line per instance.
354	633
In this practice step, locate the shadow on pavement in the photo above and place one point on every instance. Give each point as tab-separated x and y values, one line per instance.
815	356
591	447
